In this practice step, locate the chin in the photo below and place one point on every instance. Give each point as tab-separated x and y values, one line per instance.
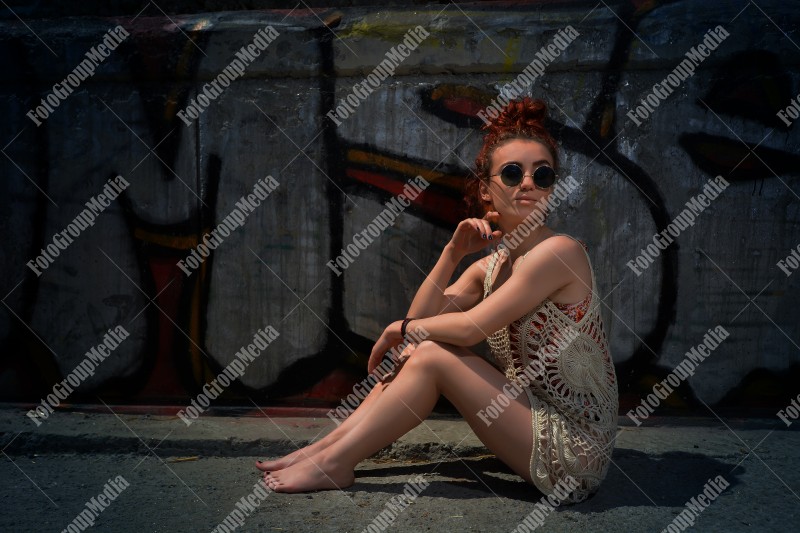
523	209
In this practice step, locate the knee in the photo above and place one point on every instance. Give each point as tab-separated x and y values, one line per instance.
431	354
429	347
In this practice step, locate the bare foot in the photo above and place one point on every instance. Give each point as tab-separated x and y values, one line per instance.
319	473
295	457
285	461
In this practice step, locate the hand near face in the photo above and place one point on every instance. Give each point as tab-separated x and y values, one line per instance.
473	234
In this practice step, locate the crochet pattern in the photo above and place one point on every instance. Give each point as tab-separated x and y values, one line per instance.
573	393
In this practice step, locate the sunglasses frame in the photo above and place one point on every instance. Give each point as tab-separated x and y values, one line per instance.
506	181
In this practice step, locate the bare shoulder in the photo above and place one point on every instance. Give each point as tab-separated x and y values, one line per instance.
560	256
564	259
565	247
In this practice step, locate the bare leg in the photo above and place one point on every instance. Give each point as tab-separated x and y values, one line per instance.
467	380
337	433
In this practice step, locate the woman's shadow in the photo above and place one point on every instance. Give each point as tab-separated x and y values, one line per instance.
634	478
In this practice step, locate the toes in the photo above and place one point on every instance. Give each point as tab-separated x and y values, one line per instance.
264	466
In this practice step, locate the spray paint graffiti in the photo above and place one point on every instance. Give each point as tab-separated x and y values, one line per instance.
177	349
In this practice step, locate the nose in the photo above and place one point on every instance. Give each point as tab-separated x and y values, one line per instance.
527	182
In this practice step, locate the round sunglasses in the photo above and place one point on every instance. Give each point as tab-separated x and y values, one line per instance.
512	175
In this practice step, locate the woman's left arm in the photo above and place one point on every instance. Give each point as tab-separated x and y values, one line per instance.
550	266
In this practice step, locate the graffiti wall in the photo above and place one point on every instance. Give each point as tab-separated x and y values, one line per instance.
301	110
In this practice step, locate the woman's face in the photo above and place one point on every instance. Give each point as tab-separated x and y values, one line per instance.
514	203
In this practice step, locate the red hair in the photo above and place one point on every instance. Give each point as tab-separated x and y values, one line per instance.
520	119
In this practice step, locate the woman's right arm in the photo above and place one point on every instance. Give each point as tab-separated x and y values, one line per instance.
432	297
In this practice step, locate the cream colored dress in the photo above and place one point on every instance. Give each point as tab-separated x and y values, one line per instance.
573	393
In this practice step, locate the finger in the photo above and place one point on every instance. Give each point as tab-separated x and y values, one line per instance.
486	229
471	222
371	364
479	229
408	350
478	224
491	216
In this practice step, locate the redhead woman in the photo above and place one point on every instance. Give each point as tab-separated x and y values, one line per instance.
537	305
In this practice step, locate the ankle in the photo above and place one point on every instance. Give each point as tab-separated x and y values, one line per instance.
331	462
327	440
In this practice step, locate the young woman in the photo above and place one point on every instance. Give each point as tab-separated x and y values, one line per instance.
537	305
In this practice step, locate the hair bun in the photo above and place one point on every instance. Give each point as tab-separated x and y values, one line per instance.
518	116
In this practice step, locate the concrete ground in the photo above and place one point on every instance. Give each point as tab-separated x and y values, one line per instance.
183	478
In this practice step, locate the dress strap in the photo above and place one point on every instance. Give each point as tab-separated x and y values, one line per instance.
487	281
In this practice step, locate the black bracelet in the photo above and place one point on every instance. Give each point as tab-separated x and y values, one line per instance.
403	327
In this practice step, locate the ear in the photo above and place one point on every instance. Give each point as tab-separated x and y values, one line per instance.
483	189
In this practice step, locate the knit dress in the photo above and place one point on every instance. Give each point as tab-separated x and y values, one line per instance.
572	391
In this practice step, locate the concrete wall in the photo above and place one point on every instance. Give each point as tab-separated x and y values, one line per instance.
184	180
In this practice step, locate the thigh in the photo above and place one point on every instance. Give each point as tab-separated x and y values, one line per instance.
498	413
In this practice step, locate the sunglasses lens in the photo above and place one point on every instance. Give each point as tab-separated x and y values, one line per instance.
544	177
511	175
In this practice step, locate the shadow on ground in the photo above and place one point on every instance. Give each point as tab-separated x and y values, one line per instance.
634	479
